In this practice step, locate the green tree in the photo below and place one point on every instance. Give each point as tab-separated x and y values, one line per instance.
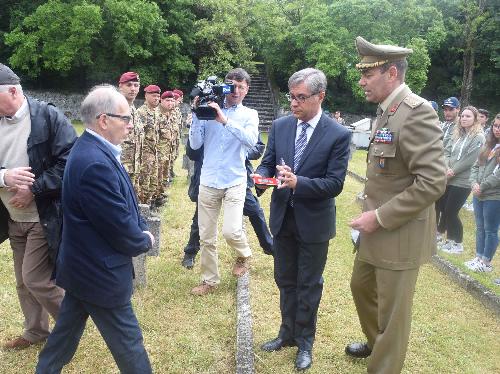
59	45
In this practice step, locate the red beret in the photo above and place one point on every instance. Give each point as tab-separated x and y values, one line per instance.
179	92
168	94
152	88
129	76
176	95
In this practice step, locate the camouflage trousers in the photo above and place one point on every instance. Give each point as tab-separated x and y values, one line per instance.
148	177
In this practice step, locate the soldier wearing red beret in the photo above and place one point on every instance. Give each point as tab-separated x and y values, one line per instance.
128	85
148	116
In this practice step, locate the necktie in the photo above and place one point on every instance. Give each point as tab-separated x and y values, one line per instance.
300	145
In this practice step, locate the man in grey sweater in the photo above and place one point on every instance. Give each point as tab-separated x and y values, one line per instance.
35	140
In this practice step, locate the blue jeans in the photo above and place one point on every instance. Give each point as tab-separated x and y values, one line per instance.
487	215
118	326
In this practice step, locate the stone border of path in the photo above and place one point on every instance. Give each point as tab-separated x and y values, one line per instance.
472	286
245	363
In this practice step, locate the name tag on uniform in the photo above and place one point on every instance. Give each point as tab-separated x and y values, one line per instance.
384	136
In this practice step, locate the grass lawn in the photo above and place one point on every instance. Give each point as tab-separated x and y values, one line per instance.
452	332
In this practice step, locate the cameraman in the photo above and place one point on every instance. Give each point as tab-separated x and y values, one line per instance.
226	141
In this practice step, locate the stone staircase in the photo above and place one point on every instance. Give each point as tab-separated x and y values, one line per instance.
259	98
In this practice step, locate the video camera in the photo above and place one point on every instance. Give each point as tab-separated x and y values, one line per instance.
207	91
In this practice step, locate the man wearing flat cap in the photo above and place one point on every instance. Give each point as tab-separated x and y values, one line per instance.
405	176
35	141
148	116
128	85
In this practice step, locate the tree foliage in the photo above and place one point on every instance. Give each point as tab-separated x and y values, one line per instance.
174	42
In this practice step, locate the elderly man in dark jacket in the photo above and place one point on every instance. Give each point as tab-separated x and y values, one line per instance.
35	140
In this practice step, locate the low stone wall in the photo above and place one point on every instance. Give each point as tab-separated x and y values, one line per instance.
68	103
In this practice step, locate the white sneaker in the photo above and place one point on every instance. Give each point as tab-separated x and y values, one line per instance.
481	267
471	263
453	248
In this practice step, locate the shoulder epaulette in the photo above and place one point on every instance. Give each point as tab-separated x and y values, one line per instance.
413	100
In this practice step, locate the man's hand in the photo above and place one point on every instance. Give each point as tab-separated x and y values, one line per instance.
20	176
22	198
476	190
287	178
151	237
366	223
450	173
221	118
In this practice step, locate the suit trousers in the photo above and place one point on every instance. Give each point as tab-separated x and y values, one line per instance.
384	300
37	293
118	327
298	272
210	201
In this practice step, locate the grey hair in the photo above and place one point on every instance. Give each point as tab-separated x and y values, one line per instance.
314	79
103	98
401	67
6	87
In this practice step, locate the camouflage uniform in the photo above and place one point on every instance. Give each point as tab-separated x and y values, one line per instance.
166	139
131	149
176	134
147	176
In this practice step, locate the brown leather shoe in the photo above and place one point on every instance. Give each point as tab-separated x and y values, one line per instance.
17	343
203	289
241	266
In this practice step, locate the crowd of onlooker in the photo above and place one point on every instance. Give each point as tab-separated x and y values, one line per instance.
472	153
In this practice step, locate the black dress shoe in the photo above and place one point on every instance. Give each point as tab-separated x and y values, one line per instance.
303	360
188	261
276	344
358	350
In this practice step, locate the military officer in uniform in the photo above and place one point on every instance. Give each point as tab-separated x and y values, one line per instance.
148	116
128	86
405	176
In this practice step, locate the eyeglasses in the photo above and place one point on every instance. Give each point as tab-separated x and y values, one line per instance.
301	98
496	126
125	119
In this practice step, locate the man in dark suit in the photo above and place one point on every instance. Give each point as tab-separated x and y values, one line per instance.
102	231
309	152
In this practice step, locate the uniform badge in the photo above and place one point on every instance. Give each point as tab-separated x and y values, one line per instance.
384	136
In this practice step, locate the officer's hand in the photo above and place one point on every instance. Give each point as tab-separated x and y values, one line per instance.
22	198
366	223
221	118
20	176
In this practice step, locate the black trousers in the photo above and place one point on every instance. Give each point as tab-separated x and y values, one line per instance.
451	203
298	272
193	245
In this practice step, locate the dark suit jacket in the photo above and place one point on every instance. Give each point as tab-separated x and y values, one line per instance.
102	227
320	176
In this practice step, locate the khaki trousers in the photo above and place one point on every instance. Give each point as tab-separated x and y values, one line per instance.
384	300
210	201
37	293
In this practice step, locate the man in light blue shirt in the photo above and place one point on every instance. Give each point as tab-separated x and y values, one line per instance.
226	141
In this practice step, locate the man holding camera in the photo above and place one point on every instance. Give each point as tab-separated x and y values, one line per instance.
226	141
